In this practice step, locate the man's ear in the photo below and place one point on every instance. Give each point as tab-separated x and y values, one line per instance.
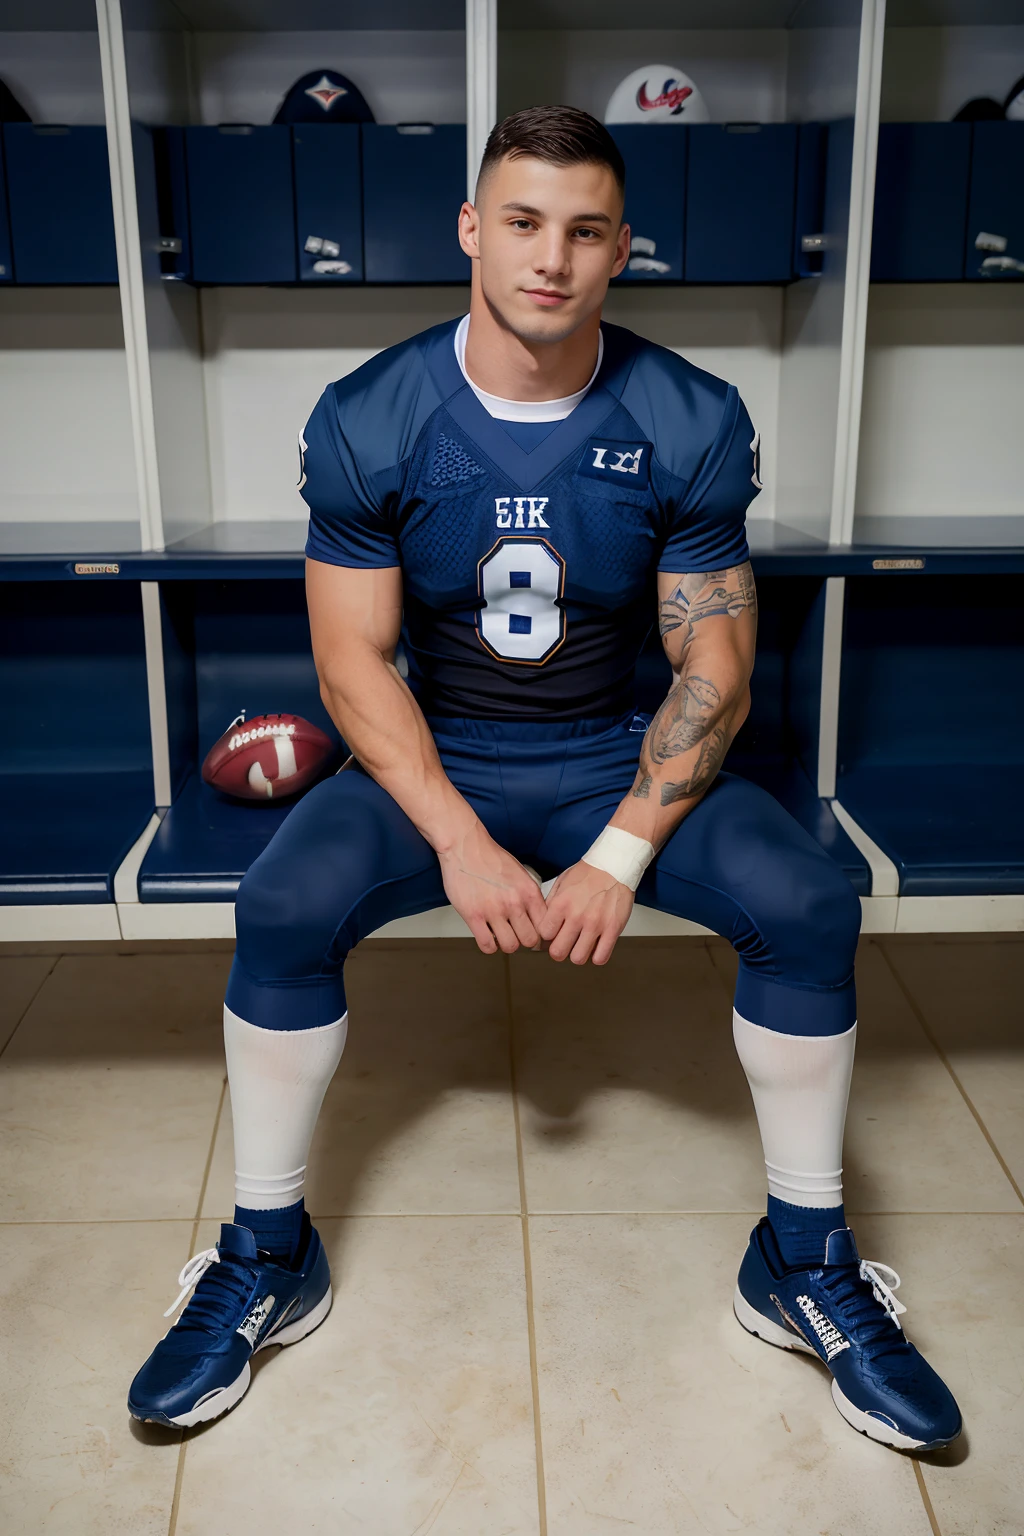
469	230
621	249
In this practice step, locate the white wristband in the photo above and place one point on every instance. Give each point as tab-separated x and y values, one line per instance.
621	855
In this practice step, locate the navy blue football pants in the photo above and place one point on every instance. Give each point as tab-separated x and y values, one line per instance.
347	860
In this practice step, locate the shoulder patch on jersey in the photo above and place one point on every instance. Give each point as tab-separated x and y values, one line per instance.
615	462
452	464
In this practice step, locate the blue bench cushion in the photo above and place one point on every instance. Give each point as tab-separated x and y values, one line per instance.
951	830
65	834
206	842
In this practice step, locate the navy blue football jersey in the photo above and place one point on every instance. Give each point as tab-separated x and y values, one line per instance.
529	576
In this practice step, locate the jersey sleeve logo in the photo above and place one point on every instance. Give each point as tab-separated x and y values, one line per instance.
755	448
625	463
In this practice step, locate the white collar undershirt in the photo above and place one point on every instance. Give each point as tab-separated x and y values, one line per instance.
523	410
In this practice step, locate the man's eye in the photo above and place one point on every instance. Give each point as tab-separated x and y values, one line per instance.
521	224
588	234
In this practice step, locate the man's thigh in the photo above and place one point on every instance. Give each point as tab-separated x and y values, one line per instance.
346	860
738	864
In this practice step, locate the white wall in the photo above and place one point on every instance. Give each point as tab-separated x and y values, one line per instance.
269	353
65	429
928	73
735	333
941	429
405	76
741	75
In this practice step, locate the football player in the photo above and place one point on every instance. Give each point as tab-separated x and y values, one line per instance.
518	495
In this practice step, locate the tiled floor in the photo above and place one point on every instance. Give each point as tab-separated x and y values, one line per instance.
535	1184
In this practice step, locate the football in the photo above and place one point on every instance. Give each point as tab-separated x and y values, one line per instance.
267	758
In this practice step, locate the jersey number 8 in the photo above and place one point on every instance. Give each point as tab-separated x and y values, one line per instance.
520	581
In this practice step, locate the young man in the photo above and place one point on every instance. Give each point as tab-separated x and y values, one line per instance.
517	490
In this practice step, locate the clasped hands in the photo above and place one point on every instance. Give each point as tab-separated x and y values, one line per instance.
504	908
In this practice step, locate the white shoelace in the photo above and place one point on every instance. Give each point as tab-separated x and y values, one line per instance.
196	1268
884	1291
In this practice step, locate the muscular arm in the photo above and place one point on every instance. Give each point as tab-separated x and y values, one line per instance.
708	623
355	618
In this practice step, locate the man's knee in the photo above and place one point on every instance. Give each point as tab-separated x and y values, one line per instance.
284	919
807	925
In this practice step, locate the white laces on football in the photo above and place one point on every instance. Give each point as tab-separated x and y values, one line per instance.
884	1291
196	1268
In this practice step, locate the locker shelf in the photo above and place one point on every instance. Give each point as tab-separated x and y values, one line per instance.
66	833
951	829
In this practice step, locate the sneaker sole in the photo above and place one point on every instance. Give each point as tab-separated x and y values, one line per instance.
773	1333
223	1399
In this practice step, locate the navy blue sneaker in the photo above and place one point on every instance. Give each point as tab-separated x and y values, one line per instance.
846	1314
241	1303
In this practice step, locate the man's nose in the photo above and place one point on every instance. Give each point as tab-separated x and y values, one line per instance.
552	255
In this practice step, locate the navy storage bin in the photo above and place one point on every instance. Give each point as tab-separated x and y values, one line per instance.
811	169
655	199
740	203
241	204
62	218
414	183
997	191
920	215
77	778
6	263
328	201
931	760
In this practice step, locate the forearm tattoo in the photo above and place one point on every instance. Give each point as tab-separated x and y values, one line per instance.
709	760
705	595
692	715
682	721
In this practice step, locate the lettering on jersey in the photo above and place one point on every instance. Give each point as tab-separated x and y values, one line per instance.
520	511
626	464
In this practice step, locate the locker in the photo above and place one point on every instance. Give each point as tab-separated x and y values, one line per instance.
414	183
62	218
811	174
996	204
328	201
6	264
920	214
740	204
241	203
655	199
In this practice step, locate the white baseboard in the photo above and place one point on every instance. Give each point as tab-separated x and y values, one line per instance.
68	922
178	919
960	914
185	920
879	914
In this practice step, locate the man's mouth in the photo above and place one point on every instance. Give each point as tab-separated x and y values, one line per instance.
547	298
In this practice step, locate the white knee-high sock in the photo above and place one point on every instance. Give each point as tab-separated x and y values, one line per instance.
800	1085
278	1078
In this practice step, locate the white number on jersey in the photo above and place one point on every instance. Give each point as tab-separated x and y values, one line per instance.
520	581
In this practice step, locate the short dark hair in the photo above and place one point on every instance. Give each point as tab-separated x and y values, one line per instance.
557	135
